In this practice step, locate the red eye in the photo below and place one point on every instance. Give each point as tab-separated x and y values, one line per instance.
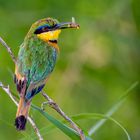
44	28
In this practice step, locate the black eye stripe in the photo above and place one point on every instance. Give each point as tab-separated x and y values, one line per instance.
38	31
53	41
44	28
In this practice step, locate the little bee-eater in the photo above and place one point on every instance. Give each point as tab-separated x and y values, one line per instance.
36	60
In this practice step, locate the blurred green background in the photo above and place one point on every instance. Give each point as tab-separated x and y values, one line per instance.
96	65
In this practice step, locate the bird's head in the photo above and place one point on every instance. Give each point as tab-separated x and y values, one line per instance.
48	29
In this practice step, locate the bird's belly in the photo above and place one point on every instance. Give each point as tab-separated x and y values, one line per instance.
36	63
42	67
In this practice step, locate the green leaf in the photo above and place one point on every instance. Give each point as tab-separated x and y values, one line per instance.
72	133
113	109
99	116
86	116
64	128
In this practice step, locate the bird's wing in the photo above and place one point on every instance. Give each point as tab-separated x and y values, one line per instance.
34	67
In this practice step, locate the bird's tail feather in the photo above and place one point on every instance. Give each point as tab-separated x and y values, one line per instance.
22	114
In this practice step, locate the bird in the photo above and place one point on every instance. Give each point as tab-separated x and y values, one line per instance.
35	62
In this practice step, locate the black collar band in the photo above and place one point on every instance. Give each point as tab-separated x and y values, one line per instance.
53	41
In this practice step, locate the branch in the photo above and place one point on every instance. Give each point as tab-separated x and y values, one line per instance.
8	49
50	101
7	90
53	105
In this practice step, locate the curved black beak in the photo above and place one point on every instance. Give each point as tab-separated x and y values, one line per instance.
66	25
63	25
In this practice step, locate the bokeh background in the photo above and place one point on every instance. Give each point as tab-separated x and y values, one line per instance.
96	65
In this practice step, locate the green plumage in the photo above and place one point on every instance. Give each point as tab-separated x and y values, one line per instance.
36	60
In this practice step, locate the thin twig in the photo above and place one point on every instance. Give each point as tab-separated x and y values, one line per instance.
35	128
7	90
8	49
50	101
55	106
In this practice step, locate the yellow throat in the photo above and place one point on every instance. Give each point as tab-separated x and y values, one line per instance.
51	35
